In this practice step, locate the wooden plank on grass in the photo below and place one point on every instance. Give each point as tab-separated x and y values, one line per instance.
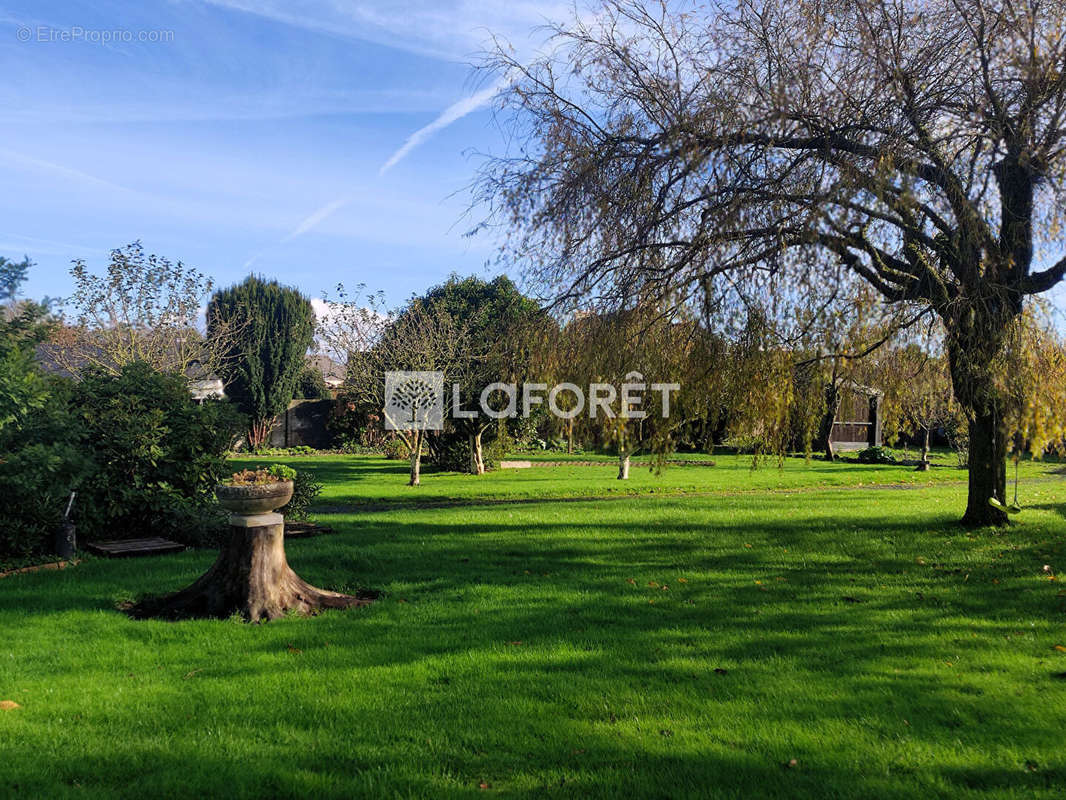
301	530
130	548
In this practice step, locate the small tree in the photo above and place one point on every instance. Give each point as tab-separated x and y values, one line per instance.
496	320
144	308
420	338
266	330
373	341
647	347
917	381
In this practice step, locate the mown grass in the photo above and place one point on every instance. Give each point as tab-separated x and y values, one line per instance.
361	482
688	643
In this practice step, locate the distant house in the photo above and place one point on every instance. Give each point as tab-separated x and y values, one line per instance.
204	384
332	372
67	362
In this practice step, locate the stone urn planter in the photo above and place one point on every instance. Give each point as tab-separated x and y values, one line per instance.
255	499
251	576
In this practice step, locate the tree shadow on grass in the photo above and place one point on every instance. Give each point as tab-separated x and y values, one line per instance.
514	642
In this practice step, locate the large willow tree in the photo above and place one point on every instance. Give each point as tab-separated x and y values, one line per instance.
770	149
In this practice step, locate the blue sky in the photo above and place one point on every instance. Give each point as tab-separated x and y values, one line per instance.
252	140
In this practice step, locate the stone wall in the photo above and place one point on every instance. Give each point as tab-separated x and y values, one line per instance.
303	424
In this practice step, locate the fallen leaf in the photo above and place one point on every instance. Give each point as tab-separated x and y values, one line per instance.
293	649
515	644
484	785
631	581
919	560
682	580
748	546
1060	648
190	674
653	584
8	705
792	764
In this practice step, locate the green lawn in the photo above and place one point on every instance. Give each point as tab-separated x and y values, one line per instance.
534	640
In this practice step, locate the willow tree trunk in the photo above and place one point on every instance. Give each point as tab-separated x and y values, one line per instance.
251	577
976	338
623	466
570	436
988	470
825	427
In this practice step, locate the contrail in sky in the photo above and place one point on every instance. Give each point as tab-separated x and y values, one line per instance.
454	112
311	222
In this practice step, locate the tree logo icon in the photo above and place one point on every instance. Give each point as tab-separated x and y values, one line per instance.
414	401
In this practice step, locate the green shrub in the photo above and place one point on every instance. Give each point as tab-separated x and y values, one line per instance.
200	525
877	455
41	459
41	465
497	449
305	490
397	449
153	450
450	451
354	428
282	472
297	450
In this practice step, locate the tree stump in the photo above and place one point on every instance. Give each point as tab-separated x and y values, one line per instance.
251	577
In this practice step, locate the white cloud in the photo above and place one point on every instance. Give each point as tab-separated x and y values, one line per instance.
323	309
450	29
